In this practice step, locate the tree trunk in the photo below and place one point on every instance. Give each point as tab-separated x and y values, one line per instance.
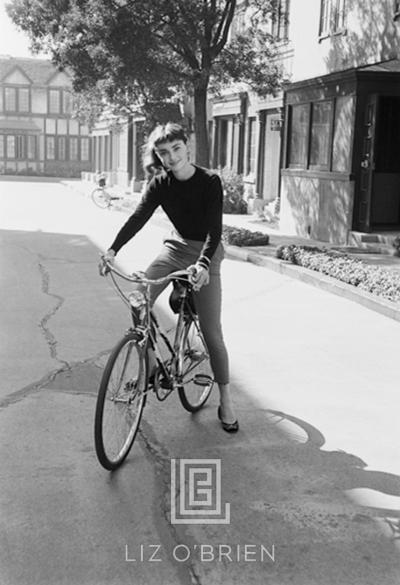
201	123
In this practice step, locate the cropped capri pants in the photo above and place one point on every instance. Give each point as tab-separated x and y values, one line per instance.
178	254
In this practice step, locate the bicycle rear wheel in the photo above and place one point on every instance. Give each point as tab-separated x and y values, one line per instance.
120	402
99	197
194	368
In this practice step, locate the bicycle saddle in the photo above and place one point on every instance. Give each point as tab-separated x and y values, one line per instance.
177	293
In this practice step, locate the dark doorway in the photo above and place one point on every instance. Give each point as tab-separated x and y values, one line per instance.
220	154
385	192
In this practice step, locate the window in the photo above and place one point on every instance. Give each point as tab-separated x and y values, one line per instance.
332	18
73	149
23	99
54	101
84	149
31	147
11	151
321	129
280	21
62	126
50	148
62	148
50	126
251	146
320	136
60	101
20	144
16	99
299	127
73	127
67	102
10	95
18	147
343	134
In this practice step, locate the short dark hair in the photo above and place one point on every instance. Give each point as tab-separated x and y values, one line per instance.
167	133
161	133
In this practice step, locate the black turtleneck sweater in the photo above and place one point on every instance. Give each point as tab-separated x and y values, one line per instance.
194	207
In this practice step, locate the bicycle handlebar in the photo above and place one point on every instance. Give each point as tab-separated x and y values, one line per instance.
140	277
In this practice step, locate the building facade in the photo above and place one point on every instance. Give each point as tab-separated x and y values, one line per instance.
340	169
116	151
38	135
325	149
247	128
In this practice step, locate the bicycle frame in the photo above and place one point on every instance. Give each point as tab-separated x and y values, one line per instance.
169	368
146	324
125	381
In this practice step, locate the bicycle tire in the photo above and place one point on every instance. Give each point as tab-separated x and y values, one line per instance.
99	197
194	368
120	401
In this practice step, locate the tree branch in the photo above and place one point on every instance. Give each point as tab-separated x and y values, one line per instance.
221	34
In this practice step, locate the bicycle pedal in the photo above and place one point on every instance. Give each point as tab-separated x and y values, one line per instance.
196	355
202	380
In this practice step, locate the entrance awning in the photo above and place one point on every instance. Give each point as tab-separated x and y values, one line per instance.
392	66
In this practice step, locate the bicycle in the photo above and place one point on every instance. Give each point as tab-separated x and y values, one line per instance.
101	197
126	381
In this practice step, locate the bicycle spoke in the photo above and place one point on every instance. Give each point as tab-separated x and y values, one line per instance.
195	370
120	404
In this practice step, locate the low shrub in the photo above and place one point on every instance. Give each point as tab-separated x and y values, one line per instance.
243	237
396	245
373	279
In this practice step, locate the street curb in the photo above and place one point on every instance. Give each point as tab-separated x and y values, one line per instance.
321	281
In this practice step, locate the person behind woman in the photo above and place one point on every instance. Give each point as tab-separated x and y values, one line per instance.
191	196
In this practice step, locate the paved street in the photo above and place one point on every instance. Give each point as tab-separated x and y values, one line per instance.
313	476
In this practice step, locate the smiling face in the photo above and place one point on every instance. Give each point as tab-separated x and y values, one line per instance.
174	155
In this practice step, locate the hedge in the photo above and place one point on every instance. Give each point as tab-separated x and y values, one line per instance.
243	237
373	279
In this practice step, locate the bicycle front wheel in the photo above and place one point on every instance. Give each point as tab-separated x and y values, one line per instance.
99	197
120	402
194	368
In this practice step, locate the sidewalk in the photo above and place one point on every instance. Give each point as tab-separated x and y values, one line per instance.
266	255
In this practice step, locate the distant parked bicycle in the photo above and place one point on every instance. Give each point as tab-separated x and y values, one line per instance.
101	197
182	364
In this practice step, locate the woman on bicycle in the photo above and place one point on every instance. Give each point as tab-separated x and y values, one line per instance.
191	197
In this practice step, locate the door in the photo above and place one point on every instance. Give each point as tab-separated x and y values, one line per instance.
270	148
385	196
379	183
367	164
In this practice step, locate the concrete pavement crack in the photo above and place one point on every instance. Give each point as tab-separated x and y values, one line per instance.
29	389
188	572
49	337
56	378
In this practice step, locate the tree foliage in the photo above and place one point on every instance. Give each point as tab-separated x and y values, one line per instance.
143	52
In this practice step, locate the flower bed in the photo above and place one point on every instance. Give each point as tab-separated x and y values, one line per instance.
243	237
378	281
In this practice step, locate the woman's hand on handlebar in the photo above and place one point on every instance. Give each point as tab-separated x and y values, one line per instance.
199	276
107	258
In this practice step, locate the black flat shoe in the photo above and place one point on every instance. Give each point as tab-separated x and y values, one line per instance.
228	427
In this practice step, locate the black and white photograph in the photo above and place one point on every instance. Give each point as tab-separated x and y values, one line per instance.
200	292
